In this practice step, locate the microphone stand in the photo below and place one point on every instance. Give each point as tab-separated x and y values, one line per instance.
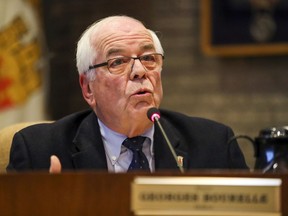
169	144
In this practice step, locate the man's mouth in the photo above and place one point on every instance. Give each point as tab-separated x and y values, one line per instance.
142	92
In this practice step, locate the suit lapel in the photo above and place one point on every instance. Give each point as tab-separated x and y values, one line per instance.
88	151
164	159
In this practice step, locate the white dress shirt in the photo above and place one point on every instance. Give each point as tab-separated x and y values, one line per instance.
118	156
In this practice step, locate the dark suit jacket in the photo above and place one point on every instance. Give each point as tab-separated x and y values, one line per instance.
76	140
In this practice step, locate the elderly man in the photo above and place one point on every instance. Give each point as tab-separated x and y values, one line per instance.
120	62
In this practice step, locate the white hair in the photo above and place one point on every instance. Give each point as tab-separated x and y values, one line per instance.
156	41
86	52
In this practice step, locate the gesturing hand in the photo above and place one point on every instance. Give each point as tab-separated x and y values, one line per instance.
55	165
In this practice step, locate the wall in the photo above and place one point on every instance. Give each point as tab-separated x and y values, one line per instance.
248	94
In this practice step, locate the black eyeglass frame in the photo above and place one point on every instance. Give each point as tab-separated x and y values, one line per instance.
134	58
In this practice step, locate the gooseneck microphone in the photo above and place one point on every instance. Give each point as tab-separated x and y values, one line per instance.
153	115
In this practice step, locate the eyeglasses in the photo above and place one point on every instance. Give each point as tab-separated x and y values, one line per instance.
150	62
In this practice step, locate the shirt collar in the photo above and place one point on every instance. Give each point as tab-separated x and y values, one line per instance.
113	141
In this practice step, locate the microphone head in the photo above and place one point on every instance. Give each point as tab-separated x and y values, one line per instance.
153	113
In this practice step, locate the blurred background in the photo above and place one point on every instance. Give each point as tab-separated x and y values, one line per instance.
225	60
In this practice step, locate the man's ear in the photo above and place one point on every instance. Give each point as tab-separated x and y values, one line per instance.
86	90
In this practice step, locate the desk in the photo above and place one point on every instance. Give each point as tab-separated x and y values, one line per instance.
87	193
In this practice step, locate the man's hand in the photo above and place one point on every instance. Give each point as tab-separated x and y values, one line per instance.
55	165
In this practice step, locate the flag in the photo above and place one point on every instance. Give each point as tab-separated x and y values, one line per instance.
21	63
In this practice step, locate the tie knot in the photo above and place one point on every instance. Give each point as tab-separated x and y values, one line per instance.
134	143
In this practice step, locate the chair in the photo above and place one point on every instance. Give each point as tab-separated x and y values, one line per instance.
6	136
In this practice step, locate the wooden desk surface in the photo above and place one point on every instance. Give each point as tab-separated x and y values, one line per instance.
86	193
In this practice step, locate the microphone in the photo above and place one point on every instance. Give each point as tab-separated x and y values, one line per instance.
153	115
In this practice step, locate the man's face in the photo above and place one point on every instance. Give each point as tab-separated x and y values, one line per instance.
121	100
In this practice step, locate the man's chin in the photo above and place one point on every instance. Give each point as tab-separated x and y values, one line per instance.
141	109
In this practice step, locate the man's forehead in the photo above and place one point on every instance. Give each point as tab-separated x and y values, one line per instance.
113	36
142	47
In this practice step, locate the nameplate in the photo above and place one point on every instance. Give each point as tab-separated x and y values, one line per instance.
206	196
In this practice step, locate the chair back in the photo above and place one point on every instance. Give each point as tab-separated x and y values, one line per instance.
6	136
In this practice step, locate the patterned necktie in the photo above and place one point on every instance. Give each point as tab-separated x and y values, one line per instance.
139	160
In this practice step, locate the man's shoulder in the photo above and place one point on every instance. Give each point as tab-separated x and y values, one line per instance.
75	118
68	123
178	118
200	130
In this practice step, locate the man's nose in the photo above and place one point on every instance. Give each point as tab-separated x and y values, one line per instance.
137	70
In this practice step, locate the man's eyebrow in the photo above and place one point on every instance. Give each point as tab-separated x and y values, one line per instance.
148	47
